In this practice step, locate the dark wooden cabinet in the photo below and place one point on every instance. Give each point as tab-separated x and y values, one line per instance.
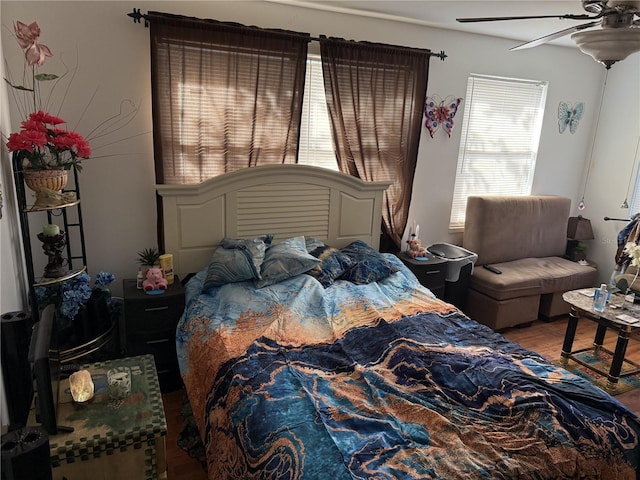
431	273
150	328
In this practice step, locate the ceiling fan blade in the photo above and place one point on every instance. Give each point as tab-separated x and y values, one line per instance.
581	16
553	36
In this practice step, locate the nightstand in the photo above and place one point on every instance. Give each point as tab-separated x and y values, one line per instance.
431	273
150	328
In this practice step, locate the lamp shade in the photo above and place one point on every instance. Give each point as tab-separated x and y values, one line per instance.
609	45
579	228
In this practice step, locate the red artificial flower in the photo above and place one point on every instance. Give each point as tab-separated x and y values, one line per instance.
33	125
83	149
45	117
27	140
45	147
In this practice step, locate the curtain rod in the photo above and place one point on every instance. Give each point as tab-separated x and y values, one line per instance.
137	16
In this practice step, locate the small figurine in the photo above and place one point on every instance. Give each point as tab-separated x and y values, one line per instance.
154	280
416	249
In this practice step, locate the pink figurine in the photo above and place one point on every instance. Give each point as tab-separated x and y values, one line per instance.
154	280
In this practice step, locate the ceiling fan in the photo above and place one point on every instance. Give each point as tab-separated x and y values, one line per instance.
611	34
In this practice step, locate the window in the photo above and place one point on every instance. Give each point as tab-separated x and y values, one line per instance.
316	145
499	141
225	96
635	199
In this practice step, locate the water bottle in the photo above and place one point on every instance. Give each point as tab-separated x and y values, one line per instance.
600	298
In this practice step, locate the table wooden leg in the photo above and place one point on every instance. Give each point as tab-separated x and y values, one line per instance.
569	335
618	358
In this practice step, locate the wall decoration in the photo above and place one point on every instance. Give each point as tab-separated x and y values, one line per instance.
440	112
569	115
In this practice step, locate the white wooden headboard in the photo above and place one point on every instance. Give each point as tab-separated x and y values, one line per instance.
285	200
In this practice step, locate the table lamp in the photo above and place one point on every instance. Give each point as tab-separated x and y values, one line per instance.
578	230
81	386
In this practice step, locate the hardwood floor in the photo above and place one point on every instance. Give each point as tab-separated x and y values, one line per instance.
544	338
180	466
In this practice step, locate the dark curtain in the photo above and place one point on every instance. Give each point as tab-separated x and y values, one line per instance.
225	96
375	96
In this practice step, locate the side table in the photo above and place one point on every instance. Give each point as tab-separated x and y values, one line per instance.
150	323
430	273
112	439
582	307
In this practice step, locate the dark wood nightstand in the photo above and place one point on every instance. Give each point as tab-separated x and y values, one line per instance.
431	273
150	328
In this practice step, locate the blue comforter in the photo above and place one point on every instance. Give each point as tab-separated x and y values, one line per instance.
384	381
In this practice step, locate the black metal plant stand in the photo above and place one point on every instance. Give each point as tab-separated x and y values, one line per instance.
65	251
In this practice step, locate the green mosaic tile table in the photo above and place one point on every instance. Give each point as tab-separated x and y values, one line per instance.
113	438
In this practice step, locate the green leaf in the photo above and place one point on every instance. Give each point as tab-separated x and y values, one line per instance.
18	87
148	257
41	77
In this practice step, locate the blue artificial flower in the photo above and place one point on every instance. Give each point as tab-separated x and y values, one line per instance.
72	295
42	294
104	279
74	299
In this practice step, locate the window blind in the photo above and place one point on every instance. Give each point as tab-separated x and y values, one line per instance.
499	139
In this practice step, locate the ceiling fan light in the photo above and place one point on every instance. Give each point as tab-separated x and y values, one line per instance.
610	45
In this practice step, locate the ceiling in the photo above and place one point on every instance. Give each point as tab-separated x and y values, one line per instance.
443	14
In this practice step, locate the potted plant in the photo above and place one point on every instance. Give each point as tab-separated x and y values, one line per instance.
47	151
149	257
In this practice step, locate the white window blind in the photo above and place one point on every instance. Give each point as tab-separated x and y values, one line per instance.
635	200
316	144
499	139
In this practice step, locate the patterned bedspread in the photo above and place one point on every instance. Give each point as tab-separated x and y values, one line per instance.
384	381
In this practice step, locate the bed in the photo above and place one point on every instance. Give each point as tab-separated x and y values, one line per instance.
307	354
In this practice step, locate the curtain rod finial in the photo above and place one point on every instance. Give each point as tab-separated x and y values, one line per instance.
136	15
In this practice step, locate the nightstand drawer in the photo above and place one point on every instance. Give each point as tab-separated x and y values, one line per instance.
430	273
430	278
151	317
161	345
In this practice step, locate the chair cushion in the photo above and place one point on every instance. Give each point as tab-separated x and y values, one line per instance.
533	276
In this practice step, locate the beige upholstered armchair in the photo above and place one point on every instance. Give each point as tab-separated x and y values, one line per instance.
630	275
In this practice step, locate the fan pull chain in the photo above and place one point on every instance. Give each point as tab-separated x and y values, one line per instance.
582	204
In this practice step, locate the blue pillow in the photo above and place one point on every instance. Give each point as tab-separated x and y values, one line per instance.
236	260
312	243
284	260
370	265
333	263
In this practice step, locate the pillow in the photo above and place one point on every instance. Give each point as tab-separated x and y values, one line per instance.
370	265
313	243
333	263
236	260
284	260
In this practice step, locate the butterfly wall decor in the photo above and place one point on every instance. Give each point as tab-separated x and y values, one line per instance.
569	116
440	112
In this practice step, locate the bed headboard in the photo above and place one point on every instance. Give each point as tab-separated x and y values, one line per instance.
285	200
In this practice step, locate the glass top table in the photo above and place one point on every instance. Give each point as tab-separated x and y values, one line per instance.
581	302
